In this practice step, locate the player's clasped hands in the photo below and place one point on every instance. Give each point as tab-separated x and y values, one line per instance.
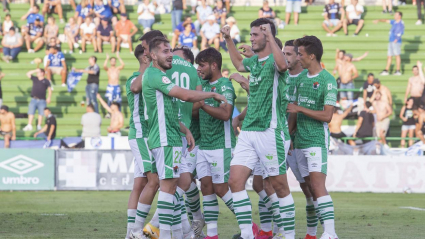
292	108
220	98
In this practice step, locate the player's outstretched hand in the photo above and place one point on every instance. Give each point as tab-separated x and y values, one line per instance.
246	51
292	108
225	30
220	98
190	140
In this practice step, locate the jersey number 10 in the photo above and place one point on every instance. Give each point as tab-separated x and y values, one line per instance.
183	81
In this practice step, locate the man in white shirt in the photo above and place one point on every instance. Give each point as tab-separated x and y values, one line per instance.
202	13
354	14
210	33
88	33
91	122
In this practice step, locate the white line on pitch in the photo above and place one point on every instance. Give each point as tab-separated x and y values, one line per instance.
57	214
414	208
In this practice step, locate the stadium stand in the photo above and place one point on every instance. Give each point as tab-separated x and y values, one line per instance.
373	38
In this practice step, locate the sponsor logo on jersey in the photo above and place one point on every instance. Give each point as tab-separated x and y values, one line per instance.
165	80
214	164
316	85
313	154
253	80
269	156
306	100
330	86
192	155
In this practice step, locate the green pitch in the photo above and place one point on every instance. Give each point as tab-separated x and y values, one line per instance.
103	215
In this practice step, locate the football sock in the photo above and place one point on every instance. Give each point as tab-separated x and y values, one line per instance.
211	210
189	212
165	214
243	209
131	219
287	214
185	220
272	204
177	214
316	208
311	217
192	196
228	200
326	207
266	216
142	213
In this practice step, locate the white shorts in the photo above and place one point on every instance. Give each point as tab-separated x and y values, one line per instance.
334	22
167	161
142	157
314	159
214	163
293	6
267	147
292	163
188	164
408	127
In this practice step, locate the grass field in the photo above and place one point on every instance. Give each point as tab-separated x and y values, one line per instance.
103	215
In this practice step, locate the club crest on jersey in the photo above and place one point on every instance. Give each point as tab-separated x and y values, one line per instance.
316	85
165	80
176	169
213	89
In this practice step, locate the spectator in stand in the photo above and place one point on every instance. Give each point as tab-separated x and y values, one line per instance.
368	88
295	7
409	124
235	34
419	5
365	124
354	16
53	6
177	12
202	13
347	73
117	118
339	58
72	33
40	85
415	86
385	92
125	30
394	45
1	92
88	34
83	10
180	29
117	6
220	12
53	43
56	65
48	132
91	122
390	6
8	127
92	87
332	12
383	111
210	33
7	24
30	16
12	43
336	123
146	12
105	33
103	11
188	38
34	34
267	12
51	30
162	6
193	4
225	72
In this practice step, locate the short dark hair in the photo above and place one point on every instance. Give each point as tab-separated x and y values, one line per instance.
12	29
8	15
95	58
343	51
312	45
42	70
36	6
5	107
186	17
278	42
54	47
401	14
415	66
225	69
209	55
47	108
151	35
188	54
112	58
90	106
370	74
155	42
368	104
139	51
116	104
291	43
262	21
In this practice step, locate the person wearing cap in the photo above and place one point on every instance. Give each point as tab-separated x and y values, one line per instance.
146	15
347	73
88	34
34	34
202	13
384	91
7	128
368	88
103	11
105	33
415	86
53	6
220	12
394	45
125	30
210	33
181	28
235	33
12	43
56	65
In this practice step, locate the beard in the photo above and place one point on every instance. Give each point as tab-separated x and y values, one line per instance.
260	46
164	64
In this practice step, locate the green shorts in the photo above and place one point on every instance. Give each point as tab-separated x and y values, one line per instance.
143	161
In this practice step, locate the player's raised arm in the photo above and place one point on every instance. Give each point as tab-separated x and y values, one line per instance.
278	55
233	52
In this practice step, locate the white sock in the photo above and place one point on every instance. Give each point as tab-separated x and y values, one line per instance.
326	208
165	213
142	213
243	211
316	208
311	217
265	215
192	196
176	228
228	200
155	219
185	220
287	214
131	219
277	220
211	210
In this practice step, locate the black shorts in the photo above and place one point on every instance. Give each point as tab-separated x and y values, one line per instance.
355	22
416	102
338	135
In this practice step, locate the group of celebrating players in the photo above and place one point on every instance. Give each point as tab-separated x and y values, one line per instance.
181	128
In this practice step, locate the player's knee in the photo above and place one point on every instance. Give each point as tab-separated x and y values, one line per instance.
257	184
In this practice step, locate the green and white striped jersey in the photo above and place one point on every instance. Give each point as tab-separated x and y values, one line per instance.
162	112
138	125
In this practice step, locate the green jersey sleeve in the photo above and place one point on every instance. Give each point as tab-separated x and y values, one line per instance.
228	92
248	62
164	85
331	92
